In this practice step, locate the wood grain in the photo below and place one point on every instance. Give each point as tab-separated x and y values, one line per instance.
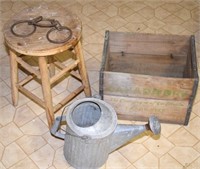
37	44
140	109
148	74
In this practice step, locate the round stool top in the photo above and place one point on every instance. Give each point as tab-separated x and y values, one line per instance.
37	43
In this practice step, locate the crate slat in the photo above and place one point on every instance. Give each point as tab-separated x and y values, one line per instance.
147	74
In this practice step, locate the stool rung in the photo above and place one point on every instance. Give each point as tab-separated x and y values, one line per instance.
31	95
73	73
28	67
68	98
59	65
76	75
66	69
26	80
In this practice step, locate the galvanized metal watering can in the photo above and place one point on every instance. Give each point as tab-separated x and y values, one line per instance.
92	132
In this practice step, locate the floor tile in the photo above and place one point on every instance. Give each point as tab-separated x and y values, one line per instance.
158	147
59	159
34	127
148	161
173	29
117	161
172	19
116	21
136	18
181	154
171	7
3	102
12	154
183	138
99	16
197	147
154	23
58	98
95	38
93	65
135	27
136	6
5	67
35	108
101	4
31	144
147	12
89	10
110	10
194	126
23	115
133	151
9	133
195	14
131	167
183	14
2	166
154	4
7	114
188	5
1	150
43	157
21	101
3	53
194	164
18	6
167	162
191	26
93	49
125	11
6	5
54	142
25	163
87	31
52	167
5	90
168	129
161	13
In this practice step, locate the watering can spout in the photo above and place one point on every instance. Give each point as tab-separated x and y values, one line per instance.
124	133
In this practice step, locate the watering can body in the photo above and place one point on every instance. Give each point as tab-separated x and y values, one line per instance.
92	132
84	153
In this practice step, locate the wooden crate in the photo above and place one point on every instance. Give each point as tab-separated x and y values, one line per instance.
147	74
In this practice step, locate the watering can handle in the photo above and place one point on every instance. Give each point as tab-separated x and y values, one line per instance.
54	129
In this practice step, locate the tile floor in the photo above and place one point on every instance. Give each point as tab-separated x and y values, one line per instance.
25	142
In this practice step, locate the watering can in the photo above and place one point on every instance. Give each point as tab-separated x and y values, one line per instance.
92	132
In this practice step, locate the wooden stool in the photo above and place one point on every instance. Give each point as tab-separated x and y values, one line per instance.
37	45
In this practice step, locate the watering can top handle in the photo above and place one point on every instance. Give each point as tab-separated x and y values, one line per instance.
54	129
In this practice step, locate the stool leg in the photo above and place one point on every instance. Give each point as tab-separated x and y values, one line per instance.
51	66
14	77
46	88
82	69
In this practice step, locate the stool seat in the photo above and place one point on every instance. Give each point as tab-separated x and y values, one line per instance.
37	45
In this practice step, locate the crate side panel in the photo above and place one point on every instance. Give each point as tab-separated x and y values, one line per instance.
143	86
141	109
155	65
148	43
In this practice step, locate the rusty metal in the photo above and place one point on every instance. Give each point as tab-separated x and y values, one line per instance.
39	22
196	80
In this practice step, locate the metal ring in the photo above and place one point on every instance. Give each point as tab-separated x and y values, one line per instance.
21	22
60	29
52	23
